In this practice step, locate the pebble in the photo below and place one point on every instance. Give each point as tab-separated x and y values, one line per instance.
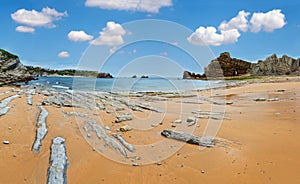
202	171
5	142
106	128
9	128
158	163
178	121
135	164
191	119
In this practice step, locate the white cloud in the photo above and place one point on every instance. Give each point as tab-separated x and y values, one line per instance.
33	18
229	31
151	6
25	29
79	36
239	22
209	36
111	35
267	21
63	54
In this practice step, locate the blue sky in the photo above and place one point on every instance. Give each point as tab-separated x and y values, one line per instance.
57	34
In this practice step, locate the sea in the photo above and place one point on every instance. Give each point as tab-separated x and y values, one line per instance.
126	84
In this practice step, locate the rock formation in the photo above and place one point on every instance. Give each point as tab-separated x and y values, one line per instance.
189	75
11	69
276	66
225	66
104	75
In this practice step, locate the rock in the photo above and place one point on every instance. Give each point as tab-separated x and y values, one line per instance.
281	90
158	163
226	66
154	125
125	128
276	66
189	75
102	135
178	121
188	138
4	108
104	75
106	127
127	145
41	130
11	69
125	117
273	99
135	164
191	119
260	99
223	103
58	162
5	142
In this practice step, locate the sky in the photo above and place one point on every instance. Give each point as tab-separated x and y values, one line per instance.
126	37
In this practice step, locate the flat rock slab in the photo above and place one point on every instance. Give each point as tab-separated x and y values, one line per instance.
58	162
41	130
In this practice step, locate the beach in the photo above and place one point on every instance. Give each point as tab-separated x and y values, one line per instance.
257	141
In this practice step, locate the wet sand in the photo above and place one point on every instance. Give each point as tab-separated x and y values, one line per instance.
258	142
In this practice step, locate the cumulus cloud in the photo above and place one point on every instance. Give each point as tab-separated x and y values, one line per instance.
25	29
239	22
79	36
111	35
267	21
228	32
151	6
209	36
33	18
63	54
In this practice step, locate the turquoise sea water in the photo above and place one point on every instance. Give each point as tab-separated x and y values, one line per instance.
125	84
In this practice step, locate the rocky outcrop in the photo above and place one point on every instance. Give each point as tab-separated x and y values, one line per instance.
276	66
189	75
104	75
226	66
57	172
11	69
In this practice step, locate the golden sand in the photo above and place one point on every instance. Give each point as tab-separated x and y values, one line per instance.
261	143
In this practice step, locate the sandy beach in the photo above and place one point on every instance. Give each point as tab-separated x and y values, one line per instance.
256	143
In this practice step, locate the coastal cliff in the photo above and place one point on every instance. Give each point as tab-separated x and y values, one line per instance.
11	69
225	66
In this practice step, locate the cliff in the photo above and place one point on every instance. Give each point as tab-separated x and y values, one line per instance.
11	69
225	66
38	71
276	66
